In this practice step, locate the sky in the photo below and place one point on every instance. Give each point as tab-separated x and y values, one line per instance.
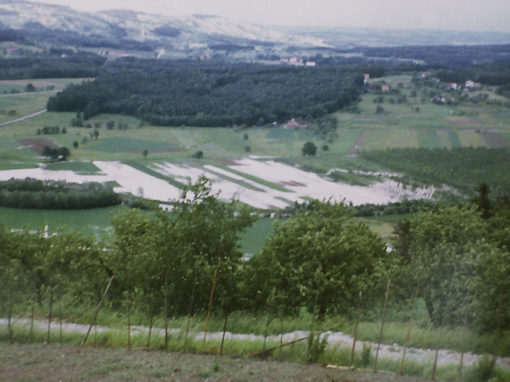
462	15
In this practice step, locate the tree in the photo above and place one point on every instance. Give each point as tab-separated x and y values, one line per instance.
145	152
210	232
321	259
442	248
76	144
198	154
309	149
30	87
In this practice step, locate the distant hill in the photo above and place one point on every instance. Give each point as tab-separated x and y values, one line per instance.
125	29
27	27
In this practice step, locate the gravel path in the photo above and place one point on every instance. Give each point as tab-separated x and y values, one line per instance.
23	118
335	339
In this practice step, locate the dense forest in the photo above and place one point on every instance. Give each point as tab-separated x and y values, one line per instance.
52	65
445	56
212	94
462	168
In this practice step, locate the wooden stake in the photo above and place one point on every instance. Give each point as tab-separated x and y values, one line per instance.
97	311
436	356
401	371
351	359
281	334
190	316
61	338
9	314
150	330
209	308
49	317
310	338
268	321
382	324
31	330
129	317
464	330
224	331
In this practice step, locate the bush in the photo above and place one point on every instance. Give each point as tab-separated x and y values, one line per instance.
309	149
198	154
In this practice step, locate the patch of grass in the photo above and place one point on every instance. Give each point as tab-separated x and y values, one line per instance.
123	144
254	237
252	178
428	138
83	168
94	221
144	168
454	139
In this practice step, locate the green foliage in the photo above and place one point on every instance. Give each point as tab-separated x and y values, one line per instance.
309	149
483	371
211	94
449	251
463	168
366	355
320	259
198	154
34	193
59	154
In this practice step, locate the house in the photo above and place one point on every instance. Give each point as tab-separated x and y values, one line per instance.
310	63
366	79
297	124
471	84
452	86
385	88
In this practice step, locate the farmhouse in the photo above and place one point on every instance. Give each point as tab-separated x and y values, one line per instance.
469	84
297	124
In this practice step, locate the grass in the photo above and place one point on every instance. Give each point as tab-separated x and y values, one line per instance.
254	238
94	221
122	144
252	178
84	168
144	168
115	362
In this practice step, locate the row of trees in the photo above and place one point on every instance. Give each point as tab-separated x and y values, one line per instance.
75	65
49	130
34	193
463	168
56	153
211	94
321	259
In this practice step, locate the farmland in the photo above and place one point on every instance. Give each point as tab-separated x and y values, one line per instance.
413	123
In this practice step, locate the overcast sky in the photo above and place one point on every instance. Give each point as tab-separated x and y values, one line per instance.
481	15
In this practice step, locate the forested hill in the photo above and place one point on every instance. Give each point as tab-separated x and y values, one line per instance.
197	93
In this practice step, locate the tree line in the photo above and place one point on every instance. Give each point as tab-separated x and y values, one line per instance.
75	65
175	264
195	93
463	168
47	194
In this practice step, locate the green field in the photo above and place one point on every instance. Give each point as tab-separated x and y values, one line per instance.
400	125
